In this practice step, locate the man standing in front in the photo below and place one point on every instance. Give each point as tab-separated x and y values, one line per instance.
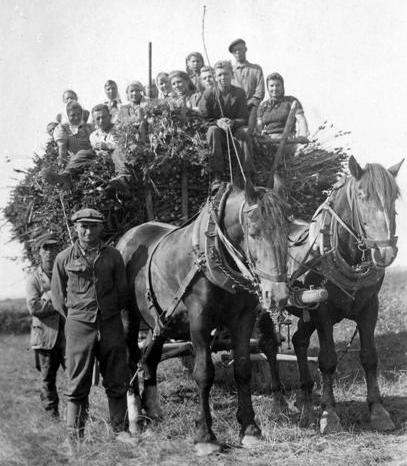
89	287
47	330
225	106
249	77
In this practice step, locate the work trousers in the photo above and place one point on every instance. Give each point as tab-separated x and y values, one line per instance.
86	341
79	161
48	362
218	147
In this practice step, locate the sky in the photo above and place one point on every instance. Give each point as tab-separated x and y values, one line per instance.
345	60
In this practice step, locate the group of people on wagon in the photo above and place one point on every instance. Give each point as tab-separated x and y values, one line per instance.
230	96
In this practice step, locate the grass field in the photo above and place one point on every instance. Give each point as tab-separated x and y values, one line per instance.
27	437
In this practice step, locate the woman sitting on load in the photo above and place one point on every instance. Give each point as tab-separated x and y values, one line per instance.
273	113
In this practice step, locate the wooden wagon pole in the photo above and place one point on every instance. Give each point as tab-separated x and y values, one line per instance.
148	190
280	150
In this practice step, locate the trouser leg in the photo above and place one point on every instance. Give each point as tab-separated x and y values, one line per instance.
112	355
81	340
216	139
120	160
49	364
79	161
246	151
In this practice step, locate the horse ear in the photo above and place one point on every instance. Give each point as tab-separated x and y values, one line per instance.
394	169
250	192
355	169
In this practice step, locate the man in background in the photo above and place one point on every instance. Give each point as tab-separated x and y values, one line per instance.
47	332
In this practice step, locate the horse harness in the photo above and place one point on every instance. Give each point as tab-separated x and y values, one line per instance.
330	263
214	255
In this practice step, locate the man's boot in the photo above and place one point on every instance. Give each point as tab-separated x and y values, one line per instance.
117	412
76	414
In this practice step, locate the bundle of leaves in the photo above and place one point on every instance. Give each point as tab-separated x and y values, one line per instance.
309	173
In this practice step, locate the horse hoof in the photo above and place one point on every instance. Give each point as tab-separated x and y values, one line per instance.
250	441
206	448
380	419
330	423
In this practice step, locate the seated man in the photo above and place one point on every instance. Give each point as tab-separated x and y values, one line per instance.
206	82
104	143
226	107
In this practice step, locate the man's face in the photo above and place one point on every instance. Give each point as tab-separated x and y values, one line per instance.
179	85
69	97
207	79
194	63
223	77
102	119
75	116
134	95
111	91
47	253
275	88
89	233
239	52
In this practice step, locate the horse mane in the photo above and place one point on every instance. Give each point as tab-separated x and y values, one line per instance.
379	184
270	211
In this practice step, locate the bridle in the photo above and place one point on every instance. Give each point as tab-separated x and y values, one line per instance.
358	232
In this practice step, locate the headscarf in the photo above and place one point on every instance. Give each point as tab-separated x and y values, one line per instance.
275	77
183	75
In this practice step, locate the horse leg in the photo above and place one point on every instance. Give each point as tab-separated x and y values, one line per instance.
269	342
150	398
241	330
328	360
379	418
301	340
203	374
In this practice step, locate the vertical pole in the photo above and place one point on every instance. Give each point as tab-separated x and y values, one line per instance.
148	192
184	193
150	76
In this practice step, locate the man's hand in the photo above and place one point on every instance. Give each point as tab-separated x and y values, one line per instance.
225	123
100	146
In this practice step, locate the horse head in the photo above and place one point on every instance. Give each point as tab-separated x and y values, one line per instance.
265	242
372	194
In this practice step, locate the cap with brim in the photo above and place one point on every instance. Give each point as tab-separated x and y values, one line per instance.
88	215
235	42
47	238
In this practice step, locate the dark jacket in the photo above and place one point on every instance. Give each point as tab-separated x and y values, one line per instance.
80	290
45	319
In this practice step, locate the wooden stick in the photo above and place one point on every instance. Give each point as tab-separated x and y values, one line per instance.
149	202
184	193
150	76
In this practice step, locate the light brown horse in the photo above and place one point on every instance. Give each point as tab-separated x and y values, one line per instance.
351	241
190	287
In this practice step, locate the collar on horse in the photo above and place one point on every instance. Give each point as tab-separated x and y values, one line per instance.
214	255
332	264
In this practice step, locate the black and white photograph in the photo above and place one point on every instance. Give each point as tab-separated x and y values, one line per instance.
203	248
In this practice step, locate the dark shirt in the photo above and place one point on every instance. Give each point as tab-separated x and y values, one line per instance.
234	104
275	113
81	289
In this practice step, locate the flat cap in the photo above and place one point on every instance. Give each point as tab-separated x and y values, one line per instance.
46	238
88	215
235	42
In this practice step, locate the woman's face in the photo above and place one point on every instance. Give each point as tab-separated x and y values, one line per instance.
75	116
194	63
275	88
134	95
111	91
163	84
179	85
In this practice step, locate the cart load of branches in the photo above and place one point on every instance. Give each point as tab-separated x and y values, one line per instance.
169	180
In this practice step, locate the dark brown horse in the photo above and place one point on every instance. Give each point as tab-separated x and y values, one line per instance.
187	281
351	240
